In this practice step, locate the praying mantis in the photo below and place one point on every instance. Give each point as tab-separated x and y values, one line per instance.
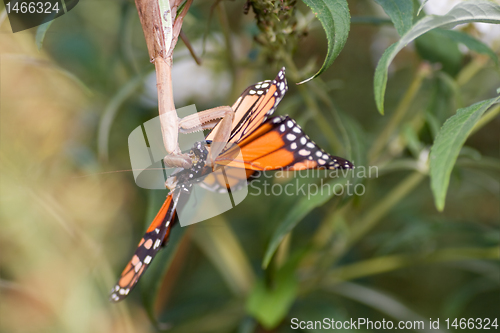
219	120
162	24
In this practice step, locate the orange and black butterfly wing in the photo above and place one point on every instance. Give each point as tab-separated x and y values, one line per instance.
279	143
254	106
156	235
223	179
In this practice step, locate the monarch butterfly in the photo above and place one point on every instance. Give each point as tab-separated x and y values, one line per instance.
266	143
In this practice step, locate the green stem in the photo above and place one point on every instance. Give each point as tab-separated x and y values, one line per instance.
486	119
471	69
325	98
374	215
222	247
110	112
394	262
221	11
400	112
381	208
312	106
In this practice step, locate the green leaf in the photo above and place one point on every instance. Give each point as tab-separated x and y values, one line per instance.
336	20
304	205
110	112
472	43
400	12
270	304
357	139
421	7
464	12
437	48
40	33
446	147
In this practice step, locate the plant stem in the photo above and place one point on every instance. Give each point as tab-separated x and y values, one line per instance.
400	112
110	112
489	116
381	208
389	263
190	48
226	31
323	96
374	215
220	245
471	69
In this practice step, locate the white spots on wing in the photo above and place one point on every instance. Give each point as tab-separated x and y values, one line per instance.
166	224
290	137
293	146
147	260
282	86
310	145
297	130
282	128
319	154
122	292
276	120
289	123
260	92
138	267
252	92
258	86
157	230
303	140
325	156
157	243
320	161
281	73
264	85
304	152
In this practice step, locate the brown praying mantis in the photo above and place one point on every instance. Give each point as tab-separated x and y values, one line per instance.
218	119
162	24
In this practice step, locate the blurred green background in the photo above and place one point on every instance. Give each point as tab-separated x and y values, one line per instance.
71	214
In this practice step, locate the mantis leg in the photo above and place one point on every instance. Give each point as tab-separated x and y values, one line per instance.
200	121
206	120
